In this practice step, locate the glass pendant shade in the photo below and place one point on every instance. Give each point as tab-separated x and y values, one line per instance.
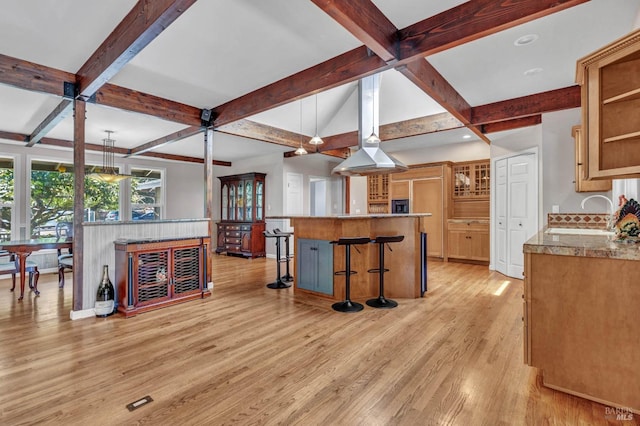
316	140
108	173
301	150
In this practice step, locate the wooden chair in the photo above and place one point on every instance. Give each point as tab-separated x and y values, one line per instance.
65	260
9	266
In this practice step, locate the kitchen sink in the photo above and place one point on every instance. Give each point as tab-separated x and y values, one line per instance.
578	231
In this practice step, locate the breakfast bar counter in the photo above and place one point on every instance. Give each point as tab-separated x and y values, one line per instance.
317	259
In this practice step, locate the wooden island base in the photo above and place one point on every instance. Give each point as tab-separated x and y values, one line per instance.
405	260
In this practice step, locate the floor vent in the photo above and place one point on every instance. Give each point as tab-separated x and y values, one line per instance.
139	403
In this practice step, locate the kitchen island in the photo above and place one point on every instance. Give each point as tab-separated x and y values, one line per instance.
581	298
317	259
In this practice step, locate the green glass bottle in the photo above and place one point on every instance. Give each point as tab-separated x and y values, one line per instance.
105	303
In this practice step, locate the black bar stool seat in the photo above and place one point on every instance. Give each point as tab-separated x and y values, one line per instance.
381	301
347	305
278	283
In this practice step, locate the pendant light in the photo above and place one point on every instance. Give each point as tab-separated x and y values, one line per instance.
108	173
373	138
316	140
301	150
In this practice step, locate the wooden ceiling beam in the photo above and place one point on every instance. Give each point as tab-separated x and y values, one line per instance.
33	77
431	82
117	150
165	140
367	23
516	123
262	132
61	112
133	101
144	22
470	21
553	100
402	129
349	66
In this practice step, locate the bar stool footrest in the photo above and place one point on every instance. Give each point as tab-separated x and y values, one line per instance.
345	273
377	270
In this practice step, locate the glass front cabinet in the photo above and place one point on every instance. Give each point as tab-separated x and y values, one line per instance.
240	230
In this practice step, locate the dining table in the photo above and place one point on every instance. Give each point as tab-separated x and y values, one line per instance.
23	248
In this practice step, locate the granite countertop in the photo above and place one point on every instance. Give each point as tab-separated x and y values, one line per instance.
155	239
582	245
353	216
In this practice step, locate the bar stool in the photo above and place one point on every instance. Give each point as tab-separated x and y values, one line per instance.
347	305
278	283
381	301
287	254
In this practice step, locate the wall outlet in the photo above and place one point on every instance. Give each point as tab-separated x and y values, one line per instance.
555	208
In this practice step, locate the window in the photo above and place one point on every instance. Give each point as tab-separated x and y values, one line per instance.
52	197
6	197
147	199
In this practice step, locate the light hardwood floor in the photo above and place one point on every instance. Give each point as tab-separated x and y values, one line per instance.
252	355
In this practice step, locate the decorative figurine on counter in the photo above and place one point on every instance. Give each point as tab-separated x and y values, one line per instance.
627	219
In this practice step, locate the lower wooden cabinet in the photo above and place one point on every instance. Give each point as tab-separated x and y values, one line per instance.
314	265
241	238
468	240
154	273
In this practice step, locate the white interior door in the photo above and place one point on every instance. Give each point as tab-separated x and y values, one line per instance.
500	212
294	193
516	210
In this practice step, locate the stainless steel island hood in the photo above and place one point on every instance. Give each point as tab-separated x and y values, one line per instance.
369	159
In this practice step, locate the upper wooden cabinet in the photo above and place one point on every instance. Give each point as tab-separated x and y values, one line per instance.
581	182
471	179
610	80
378	193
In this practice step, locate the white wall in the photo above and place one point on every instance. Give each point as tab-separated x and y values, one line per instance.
558	158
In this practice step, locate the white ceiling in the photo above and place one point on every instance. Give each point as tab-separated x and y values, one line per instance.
220	50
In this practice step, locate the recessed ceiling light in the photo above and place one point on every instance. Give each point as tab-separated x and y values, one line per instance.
533	71
525	39
466	137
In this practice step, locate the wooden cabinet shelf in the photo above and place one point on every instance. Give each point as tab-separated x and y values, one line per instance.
378	193
151	274
241	229
471	179
610	80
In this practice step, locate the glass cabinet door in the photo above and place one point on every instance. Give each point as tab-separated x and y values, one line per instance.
248	200
240	200
232	202
225	202
259	190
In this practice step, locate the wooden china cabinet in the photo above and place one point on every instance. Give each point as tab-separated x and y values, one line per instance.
240	230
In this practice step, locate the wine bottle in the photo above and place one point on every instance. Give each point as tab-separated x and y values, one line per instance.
105	296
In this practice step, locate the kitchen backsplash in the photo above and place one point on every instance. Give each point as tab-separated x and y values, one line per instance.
577	220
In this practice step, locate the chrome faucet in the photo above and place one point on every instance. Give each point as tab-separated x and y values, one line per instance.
598	196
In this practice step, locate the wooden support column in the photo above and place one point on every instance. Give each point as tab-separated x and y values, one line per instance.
79	110
208	195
